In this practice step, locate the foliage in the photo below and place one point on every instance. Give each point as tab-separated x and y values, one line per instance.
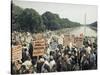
29	20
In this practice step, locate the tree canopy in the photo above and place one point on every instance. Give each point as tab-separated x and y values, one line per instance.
51	21
29	20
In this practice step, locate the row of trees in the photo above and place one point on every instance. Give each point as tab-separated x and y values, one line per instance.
94	24
30	20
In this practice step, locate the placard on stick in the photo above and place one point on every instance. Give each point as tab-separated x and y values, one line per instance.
39	45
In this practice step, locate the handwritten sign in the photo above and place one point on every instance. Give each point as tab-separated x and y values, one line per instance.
68	39
16	53
38	52
78	41
39	45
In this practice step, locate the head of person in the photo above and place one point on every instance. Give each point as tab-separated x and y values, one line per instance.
42	60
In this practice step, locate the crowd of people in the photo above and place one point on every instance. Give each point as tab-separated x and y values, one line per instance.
57	57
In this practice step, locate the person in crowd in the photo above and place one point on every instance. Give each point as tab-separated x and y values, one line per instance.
58	63
16	67
92	59
28	64
52	64
39	65
13	68
85	62
45	66
25	54
30	49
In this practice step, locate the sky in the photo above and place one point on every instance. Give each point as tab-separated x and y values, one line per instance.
73	12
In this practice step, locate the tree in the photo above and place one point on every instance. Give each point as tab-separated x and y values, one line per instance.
31	21
16	11
51	21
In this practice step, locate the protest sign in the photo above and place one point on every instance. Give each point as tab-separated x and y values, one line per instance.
39	45
16	53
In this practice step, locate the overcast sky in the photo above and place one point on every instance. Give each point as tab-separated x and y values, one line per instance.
74	12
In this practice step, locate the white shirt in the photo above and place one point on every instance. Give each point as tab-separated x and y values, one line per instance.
27	64
52	63
88	49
